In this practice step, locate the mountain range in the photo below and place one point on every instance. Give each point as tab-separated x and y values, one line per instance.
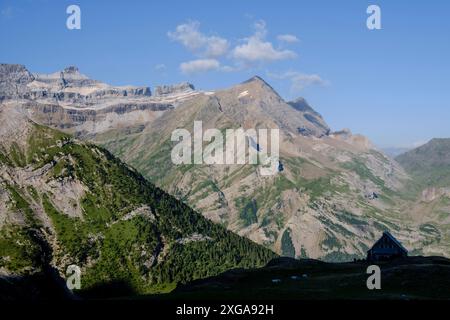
333	196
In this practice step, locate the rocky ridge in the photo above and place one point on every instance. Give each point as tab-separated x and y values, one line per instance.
71	101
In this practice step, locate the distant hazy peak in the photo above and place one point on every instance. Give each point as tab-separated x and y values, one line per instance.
435	149
439	140
429	164
70	72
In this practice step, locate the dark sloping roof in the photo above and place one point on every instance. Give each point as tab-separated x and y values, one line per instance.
391	237
387	233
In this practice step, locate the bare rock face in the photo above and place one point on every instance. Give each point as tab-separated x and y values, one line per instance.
173	89
255	101
71	77
13	80
310	115
71	101
72	86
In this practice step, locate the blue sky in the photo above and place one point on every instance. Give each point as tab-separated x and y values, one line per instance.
392	85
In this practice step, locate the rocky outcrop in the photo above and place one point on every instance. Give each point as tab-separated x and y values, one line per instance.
431	194
310	115
121	92
90	121
356	140
69	77
195	237
173	89
13	81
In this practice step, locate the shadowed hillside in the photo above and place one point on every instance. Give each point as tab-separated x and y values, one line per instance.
411	278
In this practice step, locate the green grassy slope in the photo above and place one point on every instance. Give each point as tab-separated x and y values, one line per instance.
429	164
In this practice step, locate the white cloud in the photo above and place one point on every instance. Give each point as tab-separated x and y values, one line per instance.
213	53
160	67
199	66
257	49
188	34
288	38
299	80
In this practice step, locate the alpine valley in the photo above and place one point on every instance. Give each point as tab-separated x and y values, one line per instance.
66	198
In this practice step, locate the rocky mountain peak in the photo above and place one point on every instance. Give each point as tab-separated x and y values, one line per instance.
15	73
13	80
258	87
257	79
9	69
73	73
301	104
71	69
